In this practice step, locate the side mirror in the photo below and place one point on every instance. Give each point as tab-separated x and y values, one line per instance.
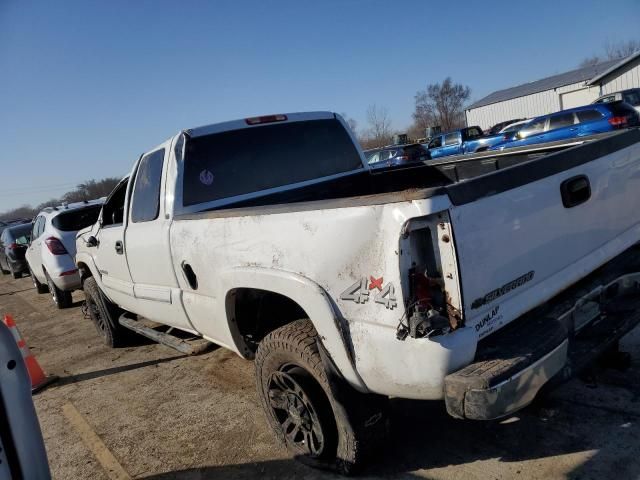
91	241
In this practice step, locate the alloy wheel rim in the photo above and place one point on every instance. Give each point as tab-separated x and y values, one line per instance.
96	316
295	412
52	289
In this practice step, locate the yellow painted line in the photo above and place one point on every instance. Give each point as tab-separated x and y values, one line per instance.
112	468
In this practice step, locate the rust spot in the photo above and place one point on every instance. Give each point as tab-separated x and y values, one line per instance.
454	315
445	238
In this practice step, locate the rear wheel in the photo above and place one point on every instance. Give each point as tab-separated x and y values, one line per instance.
2	269
15	274
324	423
104	315
41	288
61	298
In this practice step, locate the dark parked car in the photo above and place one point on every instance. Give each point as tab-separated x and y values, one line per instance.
13	245
396	155
575	122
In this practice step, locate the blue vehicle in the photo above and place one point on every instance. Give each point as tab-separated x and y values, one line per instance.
574	122
396	155
465	140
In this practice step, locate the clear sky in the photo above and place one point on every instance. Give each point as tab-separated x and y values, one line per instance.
86	86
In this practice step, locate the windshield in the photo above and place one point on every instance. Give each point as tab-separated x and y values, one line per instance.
77	219
238	162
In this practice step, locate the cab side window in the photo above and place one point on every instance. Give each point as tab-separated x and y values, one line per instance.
113	209
473	132
451	139
436	142
145	205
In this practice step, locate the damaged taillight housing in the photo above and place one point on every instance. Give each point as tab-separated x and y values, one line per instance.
428	311
427	306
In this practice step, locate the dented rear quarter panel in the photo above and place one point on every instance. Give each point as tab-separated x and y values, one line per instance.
331	249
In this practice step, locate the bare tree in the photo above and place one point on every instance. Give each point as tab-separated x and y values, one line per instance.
25	211
379	131
590	61
613	51
621	49
89	190
441	104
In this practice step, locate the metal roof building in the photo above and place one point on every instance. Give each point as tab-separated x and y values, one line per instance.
558	92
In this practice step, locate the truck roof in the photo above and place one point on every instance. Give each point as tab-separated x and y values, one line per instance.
259	121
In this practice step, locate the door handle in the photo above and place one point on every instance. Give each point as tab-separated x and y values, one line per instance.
575	190
190	275
119	247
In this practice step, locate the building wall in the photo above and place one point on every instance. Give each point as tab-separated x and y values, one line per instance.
528	106
576	97
623	78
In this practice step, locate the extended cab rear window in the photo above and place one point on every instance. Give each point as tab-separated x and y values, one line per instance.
239	162
76	219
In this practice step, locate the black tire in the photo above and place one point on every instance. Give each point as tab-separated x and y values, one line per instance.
104	315
61	298
41	288
321	420
4	272
14	274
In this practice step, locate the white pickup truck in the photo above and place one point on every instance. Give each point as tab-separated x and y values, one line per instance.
474	280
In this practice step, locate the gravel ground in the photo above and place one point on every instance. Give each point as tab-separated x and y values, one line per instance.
164	416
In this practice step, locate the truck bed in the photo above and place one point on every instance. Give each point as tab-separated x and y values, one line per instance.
463	178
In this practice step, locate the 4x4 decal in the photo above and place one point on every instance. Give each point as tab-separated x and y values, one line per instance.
359	292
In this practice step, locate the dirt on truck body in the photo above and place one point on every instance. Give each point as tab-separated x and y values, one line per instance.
347	286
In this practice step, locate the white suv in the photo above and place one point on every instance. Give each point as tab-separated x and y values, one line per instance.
51	254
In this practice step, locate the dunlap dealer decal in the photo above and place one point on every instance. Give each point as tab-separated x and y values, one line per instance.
488	322
506	288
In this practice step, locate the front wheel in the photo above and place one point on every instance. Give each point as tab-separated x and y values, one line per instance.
104	315
323	423
61	298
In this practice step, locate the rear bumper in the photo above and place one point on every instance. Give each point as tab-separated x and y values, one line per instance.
509	395
68	282
515	363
